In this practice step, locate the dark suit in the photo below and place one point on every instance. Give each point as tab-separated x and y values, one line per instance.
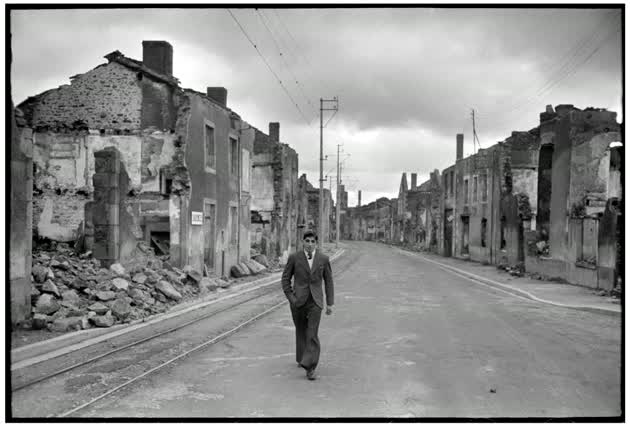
307	301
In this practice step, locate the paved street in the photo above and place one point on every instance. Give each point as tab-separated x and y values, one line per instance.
406	339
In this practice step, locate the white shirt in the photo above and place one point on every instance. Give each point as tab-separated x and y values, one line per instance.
310	262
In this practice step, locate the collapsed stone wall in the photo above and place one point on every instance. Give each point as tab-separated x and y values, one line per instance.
106	97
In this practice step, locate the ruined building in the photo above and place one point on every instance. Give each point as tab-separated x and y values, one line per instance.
123	153
373	221
578	228
343	215
274	192
548	200
482	197
308	210
418	207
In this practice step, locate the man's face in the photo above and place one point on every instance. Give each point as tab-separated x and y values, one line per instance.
309	244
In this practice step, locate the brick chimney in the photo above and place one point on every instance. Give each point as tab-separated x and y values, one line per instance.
414	180
359	203
274	132
217	94
158	55
460	147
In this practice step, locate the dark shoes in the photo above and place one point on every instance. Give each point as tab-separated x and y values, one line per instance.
310	374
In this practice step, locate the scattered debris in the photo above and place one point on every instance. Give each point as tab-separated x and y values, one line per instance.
72	291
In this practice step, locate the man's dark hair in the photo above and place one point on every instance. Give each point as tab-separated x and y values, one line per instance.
309	234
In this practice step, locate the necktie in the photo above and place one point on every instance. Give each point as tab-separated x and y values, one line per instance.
310	256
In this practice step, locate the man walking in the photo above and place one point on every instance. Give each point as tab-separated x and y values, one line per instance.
307	267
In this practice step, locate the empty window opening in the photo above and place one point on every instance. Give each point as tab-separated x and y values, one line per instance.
161	242
503	242
166	183
484	188
234	156
210	147
465	191
465	234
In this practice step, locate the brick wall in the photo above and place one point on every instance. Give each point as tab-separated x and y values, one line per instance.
107	97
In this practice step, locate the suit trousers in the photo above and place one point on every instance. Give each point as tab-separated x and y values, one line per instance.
306	319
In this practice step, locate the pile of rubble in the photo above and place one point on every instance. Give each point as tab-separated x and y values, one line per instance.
514	270
72	292
253	266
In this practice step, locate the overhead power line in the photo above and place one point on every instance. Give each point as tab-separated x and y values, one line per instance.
300	50
560	68
554	81
264	22
270	68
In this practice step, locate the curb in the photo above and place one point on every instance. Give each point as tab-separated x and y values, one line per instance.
512	290
71	342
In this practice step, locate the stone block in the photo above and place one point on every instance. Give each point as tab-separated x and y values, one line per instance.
107	161
103	195
105	180
168	290
66	324
106	233
20	299
106	214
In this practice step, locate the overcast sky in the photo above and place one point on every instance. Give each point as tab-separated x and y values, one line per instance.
406	79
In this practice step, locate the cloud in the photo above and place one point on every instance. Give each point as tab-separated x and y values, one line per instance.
406	78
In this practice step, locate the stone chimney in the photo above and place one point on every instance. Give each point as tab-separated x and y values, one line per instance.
460	147
274	132
158	55
414	180
359	203
217	94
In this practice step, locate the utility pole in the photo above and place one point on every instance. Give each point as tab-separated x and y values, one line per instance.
335	108
475	138
338	215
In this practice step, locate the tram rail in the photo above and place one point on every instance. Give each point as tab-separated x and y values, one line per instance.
258	295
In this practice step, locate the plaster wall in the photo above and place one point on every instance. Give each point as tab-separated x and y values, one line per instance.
262	183
220	185
590	168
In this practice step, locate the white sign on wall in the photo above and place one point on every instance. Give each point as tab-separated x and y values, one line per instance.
197	218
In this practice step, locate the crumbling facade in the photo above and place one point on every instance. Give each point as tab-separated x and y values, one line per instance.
373	221
577	233
308	210
547	200
186	155
274	194
343	215
417	217
488	199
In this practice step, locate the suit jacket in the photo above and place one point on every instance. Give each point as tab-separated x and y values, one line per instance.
307	280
